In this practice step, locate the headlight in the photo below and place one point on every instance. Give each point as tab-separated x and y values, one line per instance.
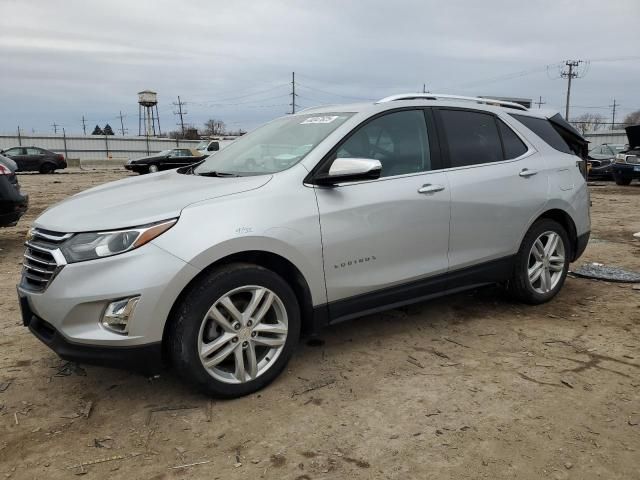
89	246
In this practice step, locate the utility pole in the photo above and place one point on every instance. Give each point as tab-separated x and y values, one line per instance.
293	92
539	102
19	136
181	113
570	73
84	125
55	128
122	129
424	88
613	113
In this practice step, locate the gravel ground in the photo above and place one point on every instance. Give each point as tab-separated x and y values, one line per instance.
468	386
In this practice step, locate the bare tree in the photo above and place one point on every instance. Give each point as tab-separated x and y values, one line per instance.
214	127
632	118
588	122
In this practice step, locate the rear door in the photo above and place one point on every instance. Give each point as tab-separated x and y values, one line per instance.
34	158
498	184
390	234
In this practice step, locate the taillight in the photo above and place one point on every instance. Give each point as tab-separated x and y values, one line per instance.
60	157
4	170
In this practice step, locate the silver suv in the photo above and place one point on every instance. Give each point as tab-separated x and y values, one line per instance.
314	218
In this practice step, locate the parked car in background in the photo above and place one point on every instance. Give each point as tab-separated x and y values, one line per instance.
165	160
317	217
35	159
601	159
13	203
211	146
627	164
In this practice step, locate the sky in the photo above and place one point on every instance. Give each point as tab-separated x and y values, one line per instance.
232	60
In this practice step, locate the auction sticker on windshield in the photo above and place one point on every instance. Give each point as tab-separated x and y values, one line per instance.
324	119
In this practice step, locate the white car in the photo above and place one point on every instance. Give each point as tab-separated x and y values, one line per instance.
315	218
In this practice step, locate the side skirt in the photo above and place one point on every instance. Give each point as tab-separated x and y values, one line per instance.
418	291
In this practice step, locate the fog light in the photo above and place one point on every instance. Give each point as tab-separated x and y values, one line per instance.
116	316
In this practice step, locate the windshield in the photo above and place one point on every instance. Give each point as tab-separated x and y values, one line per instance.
202	145
273	147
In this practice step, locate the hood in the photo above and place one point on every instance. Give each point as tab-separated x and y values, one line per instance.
633	135
140	200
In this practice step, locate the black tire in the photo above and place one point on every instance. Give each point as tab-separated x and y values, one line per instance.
620	180
520	285
190	312
47	168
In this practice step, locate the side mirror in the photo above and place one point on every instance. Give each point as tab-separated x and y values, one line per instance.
350	170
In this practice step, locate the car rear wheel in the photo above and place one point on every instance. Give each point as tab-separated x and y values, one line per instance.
235	330
153	168
47	168
542	263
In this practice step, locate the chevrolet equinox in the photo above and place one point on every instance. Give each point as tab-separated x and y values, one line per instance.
318	217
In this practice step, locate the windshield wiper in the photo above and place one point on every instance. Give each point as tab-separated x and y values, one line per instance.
217	174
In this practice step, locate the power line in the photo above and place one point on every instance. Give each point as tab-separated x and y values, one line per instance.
570	73
613	112
180	112
293	93
122	129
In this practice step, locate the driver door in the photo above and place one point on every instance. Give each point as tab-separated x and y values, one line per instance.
385	240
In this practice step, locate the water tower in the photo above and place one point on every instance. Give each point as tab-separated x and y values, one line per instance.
148	113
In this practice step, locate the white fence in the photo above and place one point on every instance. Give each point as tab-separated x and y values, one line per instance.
96	147
606	136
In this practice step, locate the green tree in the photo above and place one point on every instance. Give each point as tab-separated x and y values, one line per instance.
97	131
107	130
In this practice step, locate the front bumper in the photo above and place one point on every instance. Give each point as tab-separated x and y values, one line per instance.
625	170
72	305
146	359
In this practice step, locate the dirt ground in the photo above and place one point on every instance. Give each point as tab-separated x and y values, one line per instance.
468	386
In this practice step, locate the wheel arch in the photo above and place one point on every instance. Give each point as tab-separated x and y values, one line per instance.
269	260
564	219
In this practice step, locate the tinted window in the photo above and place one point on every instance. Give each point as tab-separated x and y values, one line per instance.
472	137
14	151
545	131
399	140
513	146
34	151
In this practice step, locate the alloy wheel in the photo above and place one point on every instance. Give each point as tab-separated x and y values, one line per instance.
243	334
546	262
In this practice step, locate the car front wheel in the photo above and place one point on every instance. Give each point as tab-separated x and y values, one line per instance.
153	168
542	263
620	180
235	330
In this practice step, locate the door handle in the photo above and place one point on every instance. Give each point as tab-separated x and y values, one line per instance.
429	188
525	172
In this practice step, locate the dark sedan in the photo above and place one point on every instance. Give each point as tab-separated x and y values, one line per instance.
35	159
601	159
13	203
165	160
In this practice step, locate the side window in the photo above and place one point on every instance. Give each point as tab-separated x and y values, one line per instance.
545	131
213	147
34	151
513	146
472	137
399	140
14	151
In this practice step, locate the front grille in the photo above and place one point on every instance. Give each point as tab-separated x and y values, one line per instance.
42	259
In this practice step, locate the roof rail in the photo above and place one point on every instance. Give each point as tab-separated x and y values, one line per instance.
437	96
